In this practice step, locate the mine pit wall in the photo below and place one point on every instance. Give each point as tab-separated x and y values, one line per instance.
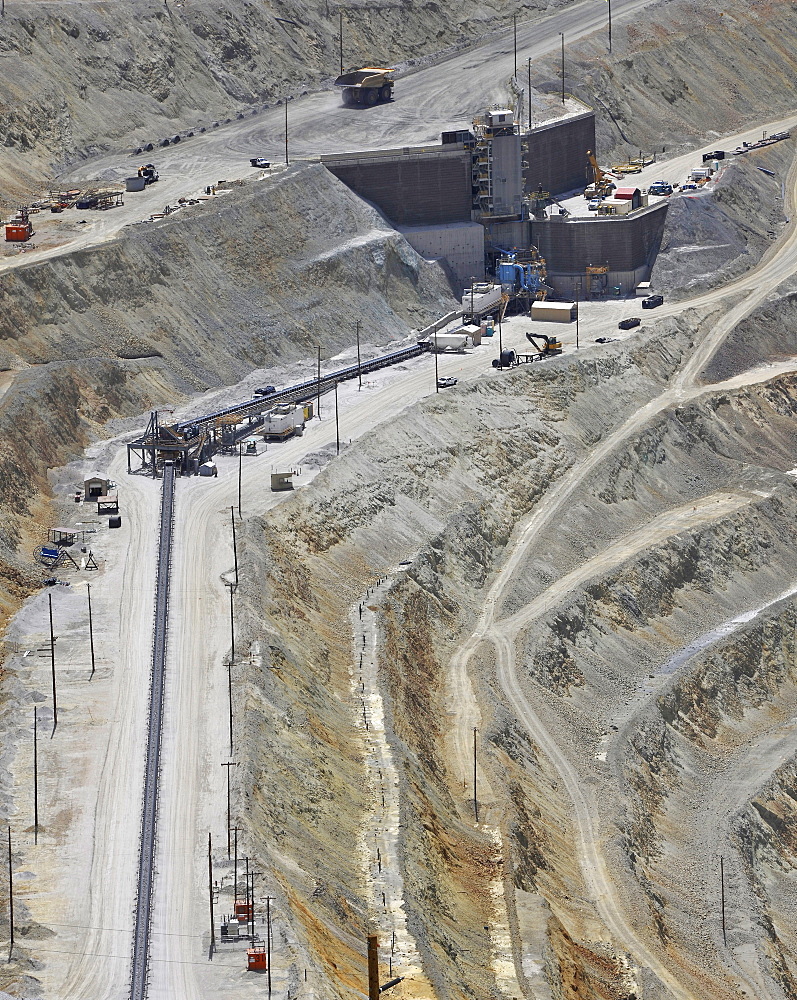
679	75
766	836
452	499
167	310
609	634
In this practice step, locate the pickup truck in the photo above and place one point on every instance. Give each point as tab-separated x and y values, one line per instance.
260	161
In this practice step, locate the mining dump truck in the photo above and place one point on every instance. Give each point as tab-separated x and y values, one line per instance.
367	85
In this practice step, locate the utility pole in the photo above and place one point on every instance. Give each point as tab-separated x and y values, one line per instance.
234	546
610	25
359	363
436	375
10	896
475	800
232	657
268	941
373	967
722	896
500	334
52	664
91	631
210	895
240	473
514	32
576	318
286	131
228	766
318	398
235	870
563	67
35	774
337	422
341	42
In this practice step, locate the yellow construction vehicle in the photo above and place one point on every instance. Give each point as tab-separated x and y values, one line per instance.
367	85
602	183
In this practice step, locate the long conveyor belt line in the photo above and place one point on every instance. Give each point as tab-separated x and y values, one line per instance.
307	389
146	859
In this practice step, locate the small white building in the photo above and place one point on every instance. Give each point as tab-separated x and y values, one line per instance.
95	485
208	469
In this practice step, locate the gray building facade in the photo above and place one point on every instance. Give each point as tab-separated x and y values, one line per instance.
555	154
413	186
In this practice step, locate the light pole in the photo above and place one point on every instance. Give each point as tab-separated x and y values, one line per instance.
286	124
436	376
529	92
563	72
472	283
514	34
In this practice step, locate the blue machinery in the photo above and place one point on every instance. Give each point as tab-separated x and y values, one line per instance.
522	274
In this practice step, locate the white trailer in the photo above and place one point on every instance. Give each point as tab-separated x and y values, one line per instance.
283	421
482	298
454	341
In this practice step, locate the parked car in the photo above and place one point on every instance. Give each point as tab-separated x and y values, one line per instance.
260	161
630	323
267	390
593	205
604	340
446	383
652	301
689	186
660	188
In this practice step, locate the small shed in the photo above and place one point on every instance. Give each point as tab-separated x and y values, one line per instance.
208	469
95	486
281	481
632	194
553	312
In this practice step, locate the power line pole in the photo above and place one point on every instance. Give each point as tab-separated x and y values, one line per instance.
318	397
610	25
286	131
340	13
35	774
436	373
337	422
240	474
10	896
563	66
514	30
576	318
91	631
475	800
52	664
359	363
722	892
229	664
228	766
235	870
268	941
210	895
234	546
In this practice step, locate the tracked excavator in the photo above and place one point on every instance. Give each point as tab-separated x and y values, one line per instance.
602	183
545	346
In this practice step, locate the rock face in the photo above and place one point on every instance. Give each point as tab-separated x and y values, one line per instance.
711	237
688	521
183	305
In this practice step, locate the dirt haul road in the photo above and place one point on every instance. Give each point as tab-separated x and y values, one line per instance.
491	628
428	101
196	735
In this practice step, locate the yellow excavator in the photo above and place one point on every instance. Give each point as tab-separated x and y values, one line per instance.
602	183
